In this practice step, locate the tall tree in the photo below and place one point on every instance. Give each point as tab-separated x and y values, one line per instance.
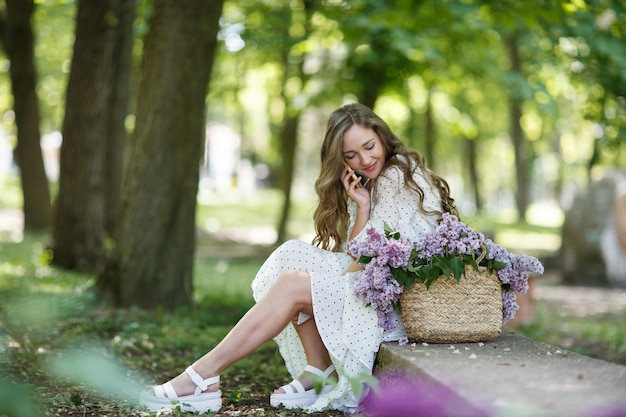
17	37
93	127
517	133
152	262
293	68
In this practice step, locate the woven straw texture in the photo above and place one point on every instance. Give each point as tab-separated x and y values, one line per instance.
451	312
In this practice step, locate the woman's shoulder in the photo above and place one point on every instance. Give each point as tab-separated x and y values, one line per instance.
394	175
396	168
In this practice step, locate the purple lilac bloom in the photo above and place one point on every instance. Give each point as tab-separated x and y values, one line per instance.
607	411
357	248
496	252
377	287
509	305
451	237
400	396
375	284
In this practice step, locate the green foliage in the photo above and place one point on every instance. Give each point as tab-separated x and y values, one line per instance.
53	23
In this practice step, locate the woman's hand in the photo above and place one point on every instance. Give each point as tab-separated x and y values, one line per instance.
359	194
354	267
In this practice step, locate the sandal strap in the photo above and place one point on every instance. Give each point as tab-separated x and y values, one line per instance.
169	389
322	374
159	392
289	387
202	384
165	391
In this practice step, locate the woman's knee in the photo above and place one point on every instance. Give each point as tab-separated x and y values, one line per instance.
296	284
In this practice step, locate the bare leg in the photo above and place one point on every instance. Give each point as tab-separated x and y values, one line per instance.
314	349
290	295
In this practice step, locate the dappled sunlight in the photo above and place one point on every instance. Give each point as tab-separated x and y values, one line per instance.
529	242
545	213
8	268
11	225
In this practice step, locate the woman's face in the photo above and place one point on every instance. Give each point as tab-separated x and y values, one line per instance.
363	150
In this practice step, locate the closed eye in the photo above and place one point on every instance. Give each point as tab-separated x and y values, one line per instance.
368	146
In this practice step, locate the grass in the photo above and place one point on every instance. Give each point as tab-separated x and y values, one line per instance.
600	335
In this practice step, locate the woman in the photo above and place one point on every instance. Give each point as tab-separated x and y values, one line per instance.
304	293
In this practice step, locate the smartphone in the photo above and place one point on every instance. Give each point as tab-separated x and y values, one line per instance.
353	172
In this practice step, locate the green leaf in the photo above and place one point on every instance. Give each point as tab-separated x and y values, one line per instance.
410	281
499	265
444	265
429	280
469	260
458	268
399	275
365	259
390	233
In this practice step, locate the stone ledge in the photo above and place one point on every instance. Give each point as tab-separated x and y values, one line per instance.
513	375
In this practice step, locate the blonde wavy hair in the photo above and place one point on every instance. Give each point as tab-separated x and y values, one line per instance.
331	216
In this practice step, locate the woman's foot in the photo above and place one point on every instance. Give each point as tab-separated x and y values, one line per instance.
304	390
189	391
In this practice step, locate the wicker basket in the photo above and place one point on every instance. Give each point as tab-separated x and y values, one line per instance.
451	312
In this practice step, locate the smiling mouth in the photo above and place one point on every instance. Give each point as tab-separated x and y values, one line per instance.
370	167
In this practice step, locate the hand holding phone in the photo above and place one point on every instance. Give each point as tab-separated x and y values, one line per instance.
353	174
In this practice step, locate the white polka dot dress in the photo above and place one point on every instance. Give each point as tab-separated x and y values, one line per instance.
348	328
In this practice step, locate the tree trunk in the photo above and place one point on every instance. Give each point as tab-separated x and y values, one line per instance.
89	155
517	135
17	37
152	262
288	145
472	164
371	85
429	134
288	135
120	97
370	74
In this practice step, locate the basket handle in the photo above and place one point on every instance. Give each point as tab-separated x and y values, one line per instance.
483	253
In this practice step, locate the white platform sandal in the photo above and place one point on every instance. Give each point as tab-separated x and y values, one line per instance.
299	397
164	396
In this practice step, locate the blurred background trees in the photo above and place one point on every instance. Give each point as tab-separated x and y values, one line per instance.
516	103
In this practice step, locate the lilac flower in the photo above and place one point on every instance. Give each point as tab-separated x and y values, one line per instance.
509	305
496	252
451	237
409	396
375	284
615	411
377	287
